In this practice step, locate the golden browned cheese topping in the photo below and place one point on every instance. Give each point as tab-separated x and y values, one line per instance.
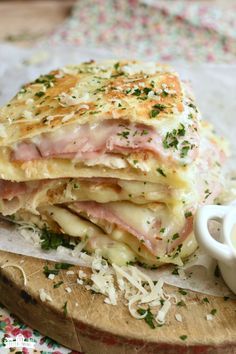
91	92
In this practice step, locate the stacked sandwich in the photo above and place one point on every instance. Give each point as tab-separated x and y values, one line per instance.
113	154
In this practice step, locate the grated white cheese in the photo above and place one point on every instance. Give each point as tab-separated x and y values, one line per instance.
161	315
6	265
209	317
44	296
79	281
73	99
51	276
68	289
178	317
27	115
82	274
138	289
70	272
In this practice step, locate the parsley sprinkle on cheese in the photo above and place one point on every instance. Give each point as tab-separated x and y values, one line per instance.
160	170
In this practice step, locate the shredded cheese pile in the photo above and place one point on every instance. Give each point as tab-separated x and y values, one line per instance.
136	288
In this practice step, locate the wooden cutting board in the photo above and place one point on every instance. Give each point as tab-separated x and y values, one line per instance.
93	327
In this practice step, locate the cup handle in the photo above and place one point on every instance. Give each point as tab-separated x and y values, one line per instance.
216	249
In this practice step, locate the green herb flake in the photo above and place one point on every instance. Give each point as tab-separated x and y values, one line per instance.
39	94
213	312
175	271
183	337
156	109
188	214
162	230
175	236
56	285
63	265
206	300
181	303
149	318
64	308
47	271
183	292
116	66
52	240
124	134
146	90
184	151
160	170
137	92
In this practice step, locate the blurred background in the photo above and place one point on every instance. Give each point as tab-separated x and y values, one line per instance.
196	31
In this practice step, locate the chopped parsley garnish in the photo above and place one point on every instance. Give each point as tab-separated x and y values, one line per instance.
181	303
175	271
149	318
124	134
206	300
135	162
161	172
162	230
213	312
56	285
144	132
48	271
207	193
164	93
183	292
193	106
47	80
116	65
137	92
52	240
184	151
146	90
183	337
178	250
40	94
63	265
156	109
181	131
64	308
171	138
188	214
175	236
55	271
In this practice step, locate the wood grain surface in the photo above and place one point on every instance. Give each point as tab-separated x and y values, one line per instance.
94	327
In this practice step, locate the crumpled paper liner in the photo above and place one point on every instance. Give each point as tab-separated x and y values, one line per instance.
214	86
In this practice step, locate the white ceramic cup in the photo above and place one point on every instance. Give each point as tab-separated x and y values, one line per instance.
224	250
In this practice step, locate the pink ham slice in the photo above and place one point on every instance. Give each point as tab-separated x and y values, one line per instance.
83	142
152	239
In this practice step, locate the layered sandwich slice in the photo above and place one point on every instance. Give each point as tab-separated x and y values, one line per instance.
114	154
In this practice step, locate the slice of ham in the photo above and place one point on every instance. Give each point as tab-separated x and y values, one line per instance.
83	142
148	231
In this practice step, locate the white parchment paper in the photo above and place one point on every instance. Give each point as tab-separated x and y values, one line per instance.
215	88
